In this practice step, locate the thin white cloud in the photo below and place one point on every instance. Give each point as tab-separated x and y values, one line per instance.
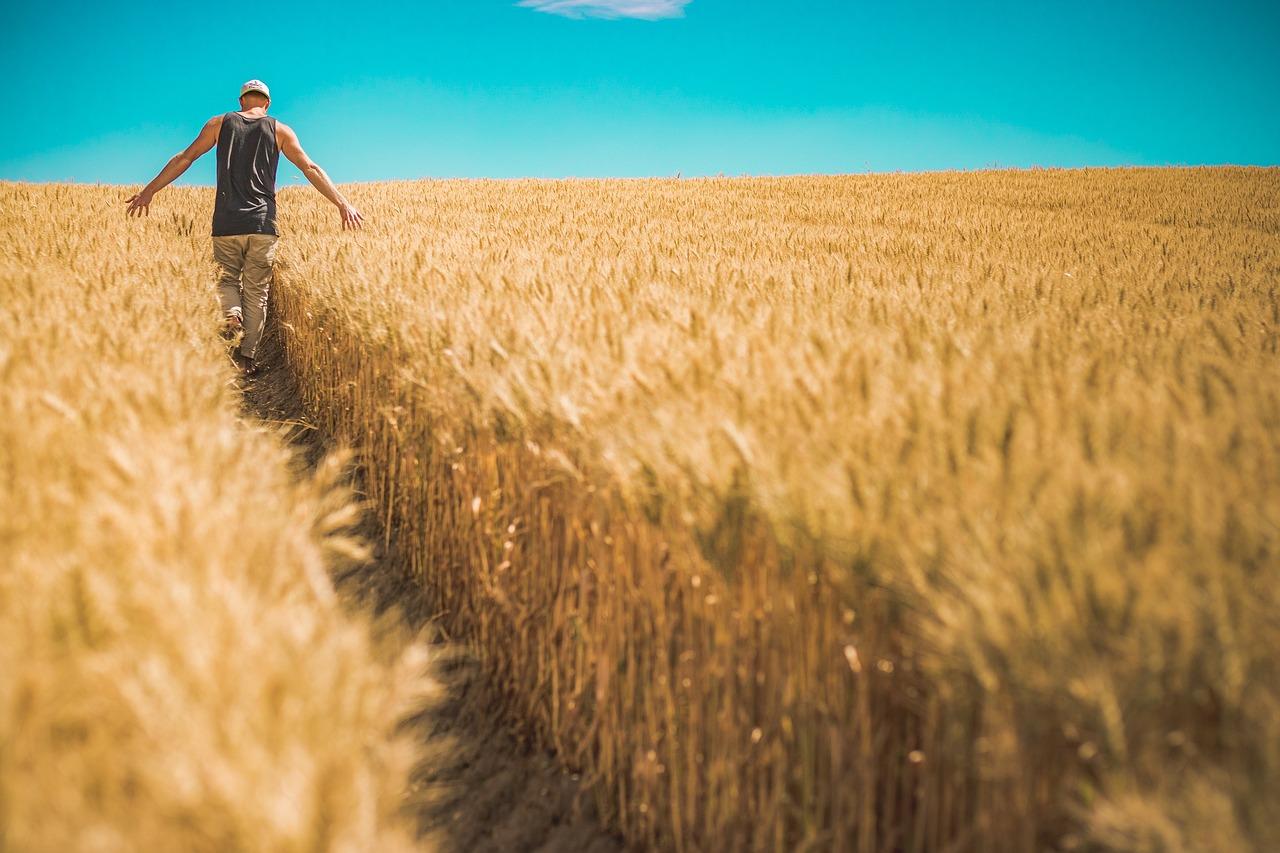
649	10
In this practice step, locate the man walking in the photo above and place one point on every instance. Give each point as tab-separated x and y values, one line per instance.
244	214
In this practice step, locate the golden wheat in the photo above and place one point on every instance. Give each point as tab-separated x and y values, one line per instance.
175	671
883	512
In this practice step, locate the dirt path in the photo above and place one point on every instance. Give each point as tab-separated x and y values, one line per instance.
478	790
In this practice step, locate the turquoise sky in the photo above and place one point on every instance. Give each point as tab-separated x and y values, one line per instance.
107	92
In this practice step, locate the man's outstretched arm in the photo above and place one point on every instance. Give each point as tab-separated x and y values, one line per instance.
292	149
179	163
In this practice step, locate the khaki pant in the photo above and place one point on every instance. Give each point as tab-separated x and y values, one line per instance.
246	261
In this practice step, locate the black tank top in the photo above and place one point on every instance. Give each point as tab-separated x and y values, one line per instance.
247	158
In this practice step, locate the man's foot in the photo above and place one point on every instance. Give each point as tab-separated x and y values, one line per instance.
231	327
247	365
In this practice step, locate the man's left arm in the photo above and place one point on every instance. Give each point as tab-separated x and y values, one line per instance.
179	163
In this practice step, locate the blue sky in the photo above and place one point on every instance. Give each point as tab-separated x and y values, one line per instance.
107	92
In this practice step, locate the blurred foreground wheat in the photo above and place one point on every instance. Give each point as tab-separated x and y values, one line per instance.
175	672
878	513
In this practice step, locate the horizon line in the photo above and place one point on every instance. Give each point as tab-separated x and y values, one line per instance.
700	176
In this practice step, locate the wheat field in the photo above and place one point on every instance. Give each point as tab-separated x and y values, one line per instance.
852	513
885	512
176	672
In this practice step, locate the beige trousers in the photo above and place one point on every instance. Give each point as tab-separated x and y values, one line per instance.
245	262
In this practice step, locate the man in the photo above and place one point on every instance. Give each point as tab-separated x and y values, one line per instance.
244	214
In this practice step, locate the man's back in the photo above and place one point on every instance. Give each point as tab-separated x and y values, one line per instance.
248	153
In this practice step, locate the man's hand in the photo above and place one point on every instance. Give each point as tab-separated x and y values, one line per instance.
351	217
139	204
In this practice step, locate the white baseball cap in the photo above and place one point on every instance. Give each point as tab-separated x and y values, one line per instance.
255	86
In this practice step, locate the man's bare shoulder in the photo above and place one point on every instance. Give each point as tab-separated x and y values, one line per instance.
286	139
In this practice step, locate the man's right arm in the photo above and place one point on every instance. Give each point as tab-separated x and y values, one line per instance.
140	204
292	149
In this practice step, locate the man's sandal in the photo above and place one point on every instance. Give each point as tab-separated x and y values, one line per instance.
247	366
231	326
